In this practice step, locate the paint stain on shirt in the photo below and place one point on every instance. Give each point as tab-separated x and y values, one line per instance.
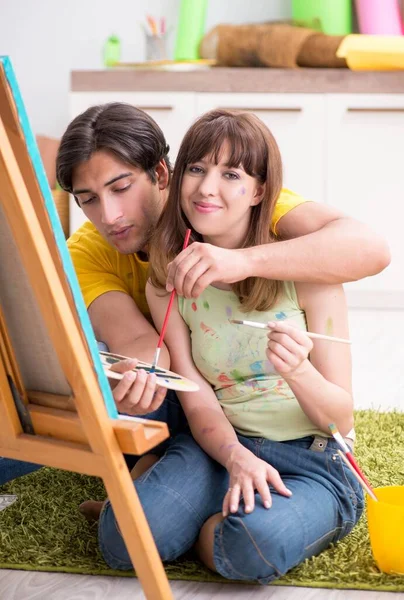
280	316
237	376
257	366
207	329
224	379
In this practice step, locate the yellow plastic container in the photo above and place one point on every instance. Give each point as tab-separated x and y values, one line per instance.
386	528
373	52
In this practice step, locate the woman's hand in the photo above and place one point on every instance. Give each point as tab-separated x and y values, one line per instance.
247	474
288	348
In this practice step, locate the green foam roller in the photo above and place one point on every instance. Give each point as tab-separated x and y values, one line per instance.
191	28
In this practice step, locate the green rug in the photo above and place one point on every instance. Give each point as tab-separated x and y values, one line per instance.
43	530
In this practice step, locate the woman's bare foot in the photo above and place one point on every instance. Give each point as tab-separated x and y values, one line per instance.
91	509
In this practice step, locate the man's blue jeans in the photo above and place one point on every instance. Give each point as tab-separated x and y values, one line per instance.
11	469
170	412
186	487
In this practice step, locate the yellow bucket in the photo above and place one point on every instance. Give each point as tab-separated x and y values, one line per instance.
386	528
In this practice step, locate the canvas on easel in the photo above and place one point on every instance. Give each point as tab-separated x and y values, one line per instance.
56	406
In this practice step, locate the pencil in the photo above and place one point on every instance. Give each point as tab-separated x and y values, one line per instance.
314	336
367	489
170	303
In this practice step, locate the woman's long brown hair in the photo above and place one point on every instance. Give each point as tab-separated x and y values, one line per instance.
252	147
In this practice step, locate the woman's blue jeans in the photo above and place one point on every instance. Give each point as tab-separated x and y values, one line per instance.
186	487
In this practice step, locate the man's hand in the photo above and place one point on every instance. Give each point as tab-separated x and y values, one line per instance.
202	264
136	393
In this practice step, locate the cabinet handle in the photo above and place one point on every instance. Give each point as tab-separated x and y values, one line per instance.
154	107
391	109
264	108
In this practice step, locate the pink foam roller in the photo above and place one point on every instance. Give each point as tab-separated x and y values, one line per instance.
379	17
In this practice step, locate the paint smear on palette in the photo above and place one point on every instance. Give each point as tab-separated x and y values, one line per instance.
194	306
165	378
280	316
229	312
206	305
329	327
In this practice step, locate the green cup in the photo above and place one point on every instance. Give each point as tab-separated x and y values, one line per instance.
191	28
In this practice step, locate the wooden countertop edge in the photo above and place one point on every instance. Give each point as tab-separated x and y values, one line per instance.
306	81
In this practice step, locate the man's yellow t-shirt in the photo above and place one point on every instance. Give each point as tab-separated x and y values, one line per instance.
100	268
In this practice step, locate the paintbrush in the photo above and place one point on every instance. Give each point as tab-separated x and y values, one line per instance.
367	489
314	336
170	303
349	456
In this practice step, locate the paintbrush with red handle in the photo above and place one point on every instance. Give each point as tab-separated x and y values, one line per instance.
350	457
170	303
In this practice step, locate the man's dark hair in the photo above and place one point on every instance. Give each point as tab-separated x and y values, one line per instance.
122	129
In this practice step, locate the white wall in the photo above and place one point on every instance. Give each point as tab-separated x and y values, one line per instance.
46	39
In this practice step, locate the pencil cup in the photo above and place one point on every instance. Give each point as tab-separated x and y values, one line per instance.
156	47
386	526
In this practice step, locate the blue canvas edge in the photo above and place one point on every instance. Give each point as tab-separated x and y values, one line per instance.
59	236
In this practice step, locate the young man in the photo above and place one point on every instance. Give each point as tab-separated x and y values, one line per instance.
114	160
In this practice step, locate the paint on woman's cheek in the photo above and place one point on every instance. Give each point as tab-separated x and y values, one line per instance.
329	327
242	190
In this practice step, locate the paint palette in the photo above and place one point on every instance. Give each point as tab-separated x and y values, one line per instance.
6	500
165	378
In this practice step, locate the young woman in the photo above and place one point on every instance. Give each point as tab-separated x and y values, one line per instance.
265	402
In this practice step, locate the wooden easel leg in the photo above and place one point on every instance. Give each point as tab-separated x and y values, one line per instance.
137	535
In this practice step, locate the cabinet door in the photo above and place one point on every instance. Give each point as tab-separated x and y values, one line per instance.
297	122
365	179
173	111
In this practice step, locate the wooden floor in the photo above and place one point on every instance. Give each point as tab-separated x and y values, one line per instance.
29	585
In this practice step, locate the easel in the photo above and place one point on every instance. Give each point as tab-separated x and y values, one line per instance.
56	406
